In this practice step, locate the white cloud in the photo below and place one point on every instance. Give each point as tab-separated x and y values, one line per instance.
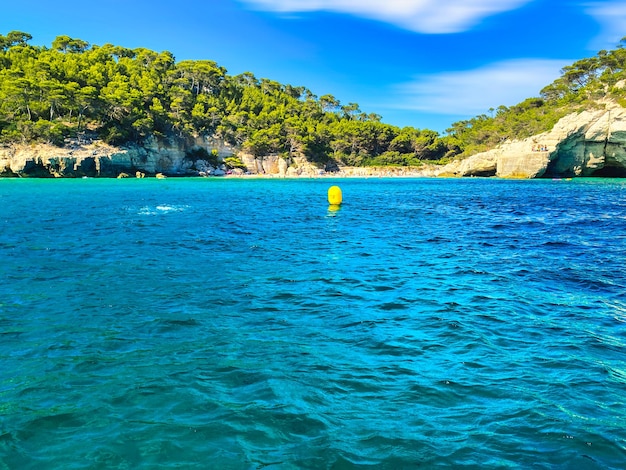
612	17
473	92
424	16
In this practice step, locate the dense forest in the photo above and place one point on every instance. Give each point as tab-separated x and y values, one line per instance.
73	89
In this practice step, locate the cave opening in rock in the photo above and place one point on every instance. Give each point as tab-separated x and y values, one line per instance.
553	172
610	172
483	173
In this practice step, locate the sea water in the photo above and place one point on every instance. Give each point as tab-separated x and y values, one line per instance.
245	324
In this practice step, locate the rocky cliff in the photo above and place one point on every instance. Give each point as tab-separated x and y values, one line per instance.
96	159
156	156
590	143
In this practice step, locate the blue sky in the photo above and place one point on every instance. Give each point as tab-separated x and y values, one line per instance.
419	63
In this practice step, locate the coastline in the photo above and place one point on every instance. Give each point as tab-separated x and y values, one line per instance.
347	172
98	160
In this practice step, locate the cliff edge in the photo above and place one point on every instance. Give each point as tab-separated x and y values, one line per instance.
590	143
94	158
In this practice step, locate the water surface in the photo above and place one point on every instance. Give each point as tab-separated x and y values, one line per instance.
242	324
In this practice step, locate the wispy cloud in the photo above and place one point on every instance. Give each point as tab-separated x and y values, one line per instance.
424	16
473	92
612	17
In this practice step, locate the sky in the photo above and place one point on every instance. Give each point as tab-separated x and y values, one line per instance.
419	63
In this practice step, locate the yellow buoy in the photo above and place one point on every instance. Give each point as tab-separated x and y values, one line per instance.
334	195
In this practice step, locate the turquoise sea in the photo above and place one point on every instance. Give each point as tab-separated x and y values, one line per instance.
242	324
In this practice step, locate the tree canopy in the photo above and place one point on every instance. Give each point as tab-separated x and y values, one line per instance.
49	94
126	95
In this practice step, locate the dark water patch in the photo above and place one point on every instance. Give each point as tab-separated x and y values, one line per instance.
285	296
182	322
393	306
438	239
381	288
263	309
558	244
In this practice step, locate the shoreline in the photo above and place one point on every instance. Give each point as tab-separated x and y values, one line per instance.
353	172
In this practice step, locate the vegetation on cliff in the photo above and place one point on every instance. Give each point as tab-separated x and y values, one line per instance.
123	95
580	86
49	94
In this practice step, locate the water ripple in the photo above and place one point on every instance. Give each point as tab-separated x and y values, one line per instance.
426	323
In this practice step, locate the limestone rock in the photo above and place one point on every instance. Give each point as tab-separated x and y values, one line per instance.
590	143
275	165
95	158
282	166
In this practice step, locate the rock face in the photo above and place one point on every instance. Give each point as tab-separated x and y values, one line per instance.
154	157
591	143
95	159
279	166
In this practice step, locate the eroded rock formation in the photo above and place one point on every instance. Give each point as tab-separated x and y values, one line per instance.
590	143
96	159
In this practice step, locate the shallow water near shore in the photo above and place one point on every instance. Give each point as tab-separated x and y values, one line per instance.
242	324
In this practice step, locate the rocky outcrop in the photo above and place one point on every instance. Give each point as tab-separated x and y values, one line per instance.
590	143
276	165
154	157
96	159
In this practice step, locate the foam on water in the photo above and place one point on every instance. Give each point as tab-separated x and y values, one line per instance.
240	324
